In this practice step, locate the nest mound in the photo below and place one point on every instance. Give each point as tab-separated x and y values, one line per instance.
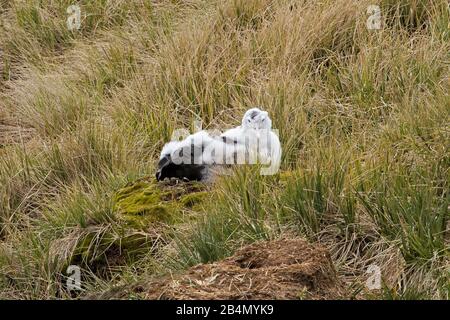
280	269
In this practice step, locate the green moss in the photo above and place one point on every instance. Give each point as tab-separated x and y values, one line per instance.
113	247
144	202
151	214
193	199
134	243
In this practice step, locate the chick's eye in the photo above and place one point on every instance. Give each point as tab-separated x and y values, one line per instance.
263	120
248	120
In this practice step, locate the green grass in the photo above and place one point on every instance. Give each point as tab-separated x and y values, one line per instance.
362	117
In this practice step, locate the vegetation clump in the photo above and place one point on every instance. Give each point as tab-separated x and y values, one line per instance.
145	201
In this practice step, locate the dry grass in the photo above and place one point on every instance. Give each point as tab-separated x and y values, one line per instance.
363	119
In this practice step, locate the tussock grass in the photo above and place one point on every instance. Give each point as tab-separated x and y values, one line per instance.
362	117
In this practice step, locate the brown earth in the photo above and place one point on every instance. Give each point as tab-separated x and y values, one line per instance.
280	269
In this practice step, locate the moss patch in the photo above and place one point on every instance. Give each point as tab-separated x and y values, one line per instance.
98	251
193	199
146	201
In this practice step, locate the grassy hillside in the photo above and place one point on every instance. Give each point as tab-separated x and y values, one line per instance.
363	117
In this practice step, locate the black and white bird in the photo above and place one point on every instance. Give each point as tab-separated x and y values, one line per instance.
252	142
